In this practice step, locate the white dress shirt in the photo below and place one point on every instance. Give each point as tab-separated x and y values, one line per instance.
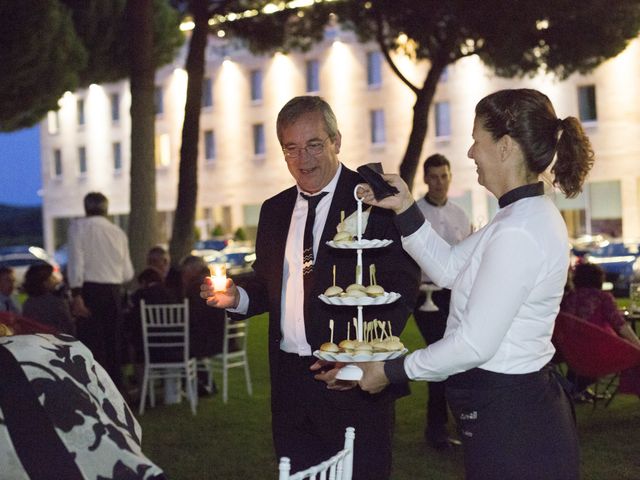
507	281
448	220
98	252
294	338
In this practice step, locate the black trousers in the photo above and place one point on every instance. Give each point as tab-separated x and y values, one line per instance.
102	331
309	421
432	326
515	427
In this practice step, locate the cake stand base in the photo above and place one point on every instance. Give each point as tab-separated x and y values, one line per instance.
349	372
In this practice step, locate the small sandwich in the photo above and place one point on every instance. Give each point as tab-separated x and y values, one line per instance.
333	291
347	346
393	345
342	237
329	347
374	290
363	348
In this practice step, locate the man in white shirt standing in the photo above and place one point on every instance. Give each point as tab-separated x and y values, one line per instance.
452	224
99	263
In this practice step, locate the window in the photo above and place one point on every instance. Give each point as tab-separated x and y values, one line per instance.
117	156
82	160
207	93
587	103
53	123
256	85
163	150
444	76
313	76
258	139
443	120
374	69
209	145
57	163
159	101
80	106
377	126
115	107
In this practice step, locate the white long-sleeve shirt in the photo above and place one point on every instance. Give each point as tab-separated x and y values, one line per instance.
98	252
507	281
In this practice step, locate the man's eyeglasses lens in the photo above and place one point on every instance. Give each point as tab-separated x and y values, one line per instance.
313	148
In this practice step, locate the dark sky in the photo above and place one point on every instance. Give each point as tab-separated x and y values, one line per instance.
20	167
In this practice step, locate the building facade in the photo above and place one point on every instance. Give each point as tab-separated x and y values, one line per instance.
85	146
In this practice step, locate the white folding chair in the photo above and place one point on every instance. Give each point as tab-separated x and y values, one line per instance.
234	354
338	467
165	338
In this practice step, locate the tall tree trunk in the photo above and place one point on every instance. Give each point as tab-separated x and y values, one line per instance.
184	219
420	124
142	218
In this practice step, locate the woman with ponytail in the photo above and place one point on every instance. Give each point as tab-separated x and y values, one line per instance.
507	281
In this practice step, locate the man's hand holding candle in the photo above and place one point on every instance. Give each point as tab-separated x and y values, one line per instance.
227	298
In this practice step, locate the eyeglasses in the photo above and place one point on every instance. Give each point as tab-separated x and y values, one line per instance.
312	148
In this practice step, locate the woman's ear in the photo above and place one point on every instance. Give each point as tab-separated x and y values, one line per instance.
506	146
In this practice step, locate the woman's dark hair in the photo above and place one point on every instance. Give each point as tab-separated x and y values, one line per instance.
528	117
35	278
588	275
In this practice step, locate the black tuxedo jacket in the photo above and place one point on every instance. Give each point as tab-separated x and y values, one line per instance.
395	270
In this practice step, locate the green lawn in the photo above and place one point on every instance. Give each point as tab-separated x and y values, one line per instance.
233	441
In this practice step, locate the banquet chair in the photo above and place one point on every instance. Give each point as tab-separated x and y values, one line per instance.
234	354
165	339
592	351
338	467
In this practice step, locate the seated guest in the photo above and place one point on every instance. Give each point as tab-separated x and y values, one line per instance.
62	416
153	291
206	325
586	300
159	259
46	302
8	302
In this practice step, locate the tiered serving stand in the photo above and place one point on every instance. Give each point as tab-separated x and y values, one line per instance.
353	372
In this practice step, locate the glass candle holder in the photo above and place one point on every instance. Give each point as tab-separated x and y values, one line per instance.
218	277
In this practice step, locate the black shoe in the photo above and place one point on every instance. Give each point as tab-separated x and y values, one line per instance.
204	391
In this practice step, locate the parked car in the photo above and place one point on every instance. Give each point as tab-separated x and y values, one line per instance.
238	259
21	257
217	243
620	260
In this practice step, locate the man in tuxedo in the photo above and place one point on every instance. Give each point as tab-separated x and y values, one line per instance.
310	408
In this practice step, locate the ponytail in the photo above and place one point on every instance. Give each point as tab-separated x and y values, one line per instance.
574	157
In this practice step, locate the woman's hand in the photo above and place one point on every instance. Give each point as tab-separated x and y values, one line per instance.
227	299
327	372
373	378
398	202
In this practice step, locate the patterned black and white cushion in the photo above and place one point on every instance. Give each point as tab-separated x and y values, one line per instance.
88	412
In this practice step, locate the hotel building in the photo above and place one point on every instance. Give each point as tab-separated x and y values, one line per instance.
85	146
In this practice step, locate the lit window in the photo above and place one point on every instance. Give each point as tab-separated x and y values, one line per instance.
80	106
57	162
258	139
53	123
443	120
256	85
163	150
587	103
117	156
444	76
374	69
158	101
115	107
82	160
207	94
377	126
313	76
209	145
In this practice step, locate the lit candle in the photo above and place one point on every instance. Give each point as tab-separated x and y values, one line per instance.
219	277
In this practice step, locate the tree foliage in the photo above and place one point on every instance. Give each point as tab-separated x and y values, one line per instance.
61	45
514	38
